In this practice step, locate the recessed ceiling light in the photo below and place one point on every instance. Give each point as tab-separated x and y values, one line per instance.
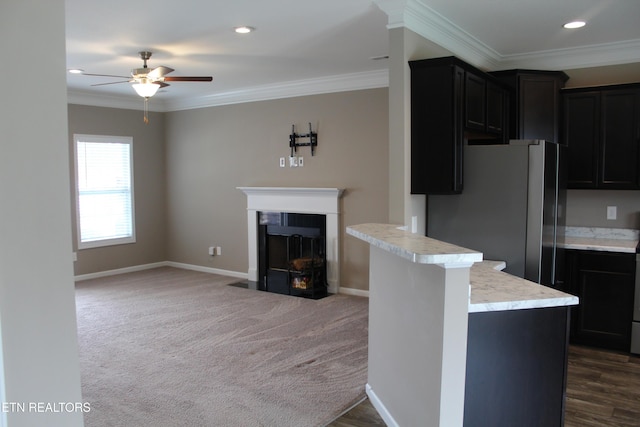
574	24
76	71
244	29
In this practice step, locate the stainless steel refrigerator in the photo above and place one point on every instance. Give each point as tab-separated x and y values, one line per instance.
511	208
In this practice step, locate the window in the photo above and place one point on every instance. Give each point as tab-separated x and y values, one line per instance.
104	190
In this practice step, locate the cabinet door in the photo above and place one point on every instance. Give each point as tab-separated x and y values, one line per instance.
475	102
619	139
437	136
581	135
604	282
539	107
496	107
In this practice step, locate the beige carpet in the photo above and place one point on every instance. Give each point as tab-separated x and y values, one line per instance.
171	347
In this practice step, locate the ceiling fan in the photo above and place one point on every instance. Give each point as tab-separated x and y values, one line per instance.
146	81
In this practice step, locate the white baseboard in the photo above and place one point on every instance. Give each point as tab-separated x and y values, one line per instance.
244	276
211	270
161	264
353	292
382	410
124	270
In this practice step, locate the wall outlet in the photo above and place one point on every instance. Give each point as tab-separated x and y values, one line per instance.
293	162
212	250
612	212
282	162
300	161
217	250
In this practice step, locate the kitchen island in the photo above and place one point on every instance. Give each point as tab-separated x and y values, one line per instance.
453	341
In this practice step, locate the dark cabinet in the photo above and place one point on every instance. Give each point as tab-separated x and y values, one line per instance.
485	108
497	109
516	368
604	282
475	101
581	118
534	103
451	102
602	132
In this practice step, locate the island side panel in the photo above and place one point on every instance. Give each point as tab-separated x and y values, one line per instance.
517	368
417	340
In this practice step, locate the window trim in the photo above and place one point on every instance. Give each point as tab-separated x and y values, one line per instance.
103	139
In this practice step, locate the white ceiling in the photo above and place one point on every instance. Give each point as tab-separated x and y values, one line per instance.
301	46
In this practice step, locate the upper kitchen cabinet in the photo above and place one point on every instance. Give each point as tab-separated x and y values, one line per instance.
451	102
602	131
535	103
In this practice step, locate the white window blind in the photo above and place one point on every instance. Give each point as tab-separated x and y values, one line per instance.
104	196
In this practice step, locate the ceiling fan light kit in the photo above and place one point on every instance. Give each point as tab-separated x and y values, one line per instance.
146	89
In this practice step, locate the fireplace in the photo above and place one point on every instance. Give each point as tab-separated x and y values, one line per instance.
291	254
276	201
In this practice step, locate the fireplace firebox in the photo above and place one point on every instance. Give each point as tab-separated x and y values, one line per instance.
292	254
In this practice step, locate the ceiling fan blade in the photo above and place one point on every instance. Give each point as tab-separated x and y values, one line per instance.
158	72
106	75
187	79
111	83
163	84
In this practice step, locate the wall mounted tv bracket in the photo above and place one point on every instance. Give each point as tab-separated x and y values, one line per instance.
294	137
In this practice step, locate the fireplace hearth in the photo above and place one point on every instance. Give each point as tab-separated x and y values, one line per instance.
292	254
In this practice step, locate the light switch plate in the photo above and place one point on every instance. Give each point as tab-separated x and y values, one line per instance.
612	212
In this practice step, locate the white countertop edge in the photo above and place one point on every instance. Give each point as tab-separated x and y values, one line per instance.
522	305
465	256
602	247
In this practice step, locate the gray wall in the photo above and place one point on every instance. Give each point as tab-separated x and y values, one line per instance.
187	165
212	151
588	208
149	186
39	349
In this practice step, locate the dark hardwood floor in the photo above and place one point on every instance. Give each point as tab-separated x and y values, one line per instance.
603	389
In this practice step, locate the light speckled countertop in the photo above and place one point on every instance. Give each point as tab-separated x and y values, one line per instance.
413	247
494	290
601	239
490	289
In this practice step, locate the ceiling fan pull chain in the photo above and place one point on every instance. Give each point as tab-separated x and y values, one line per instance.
146	110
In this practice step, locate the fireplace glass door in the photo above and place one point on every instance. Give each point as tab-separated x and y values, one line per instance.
292	250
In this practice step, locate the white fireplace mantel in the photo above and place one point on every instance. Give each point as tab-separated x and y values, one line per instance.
323	201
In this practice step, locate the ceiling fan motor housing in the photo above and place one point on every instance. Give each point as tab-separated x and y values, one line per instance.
140	72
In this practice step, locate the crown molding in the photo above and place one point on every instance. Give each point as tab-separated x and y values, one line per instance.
625	52
337	83
424	21
329	84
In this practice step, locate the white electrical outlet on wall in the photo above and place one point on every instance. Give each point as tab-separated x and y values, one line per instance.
612	212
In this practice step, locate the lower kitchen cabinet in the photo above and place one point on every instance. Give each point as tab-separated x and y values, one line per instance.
604	282
516	368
